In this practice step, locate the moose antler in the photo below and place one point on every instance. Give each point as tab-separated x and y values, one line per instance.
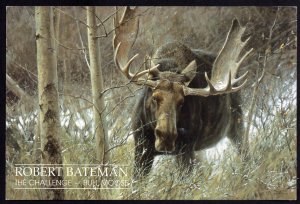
126	30
225	66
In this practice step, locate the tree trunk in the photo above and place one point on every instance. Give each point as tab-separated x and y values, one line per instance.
98	100
97	84
48	97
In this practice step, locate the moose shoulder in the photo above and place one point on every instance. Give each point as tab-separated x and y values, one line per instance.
189	101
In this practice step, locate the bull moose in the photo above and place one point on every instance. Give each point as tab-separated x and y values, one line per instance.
189	101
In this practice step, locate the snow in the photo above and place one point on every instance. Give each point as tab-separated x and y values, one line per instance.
216	152
80	123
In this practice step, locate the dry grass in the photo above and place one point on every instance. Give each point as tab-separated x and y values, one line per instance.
269	174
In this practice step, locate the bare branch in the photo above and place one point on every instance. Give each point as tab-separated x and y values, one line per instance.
76	19
256	84
66	47
82	44
108	33
25	68
16	89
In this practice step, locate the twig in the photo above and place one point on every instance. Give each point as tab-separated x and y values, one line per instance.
76	19
118	145
82	45
108	33
127	136
66	47
125	98
108	17
24	68
256	85
101	23
16	89
115	87
80	97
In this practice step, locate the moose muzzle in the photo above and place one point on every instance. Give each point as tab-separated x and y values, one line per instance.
165	133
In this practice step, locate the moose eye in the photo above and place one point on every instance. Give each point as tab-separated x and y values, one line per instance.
154	99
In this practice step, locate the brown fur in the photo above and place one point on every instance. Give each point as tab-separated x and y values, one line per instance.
177	124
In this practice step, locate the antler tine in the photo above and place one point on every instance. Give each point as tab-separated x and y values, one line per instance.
245	42
148	71
241	78
126	29
229	86
244	56
125	70
235	89
210	90
226	65
209	84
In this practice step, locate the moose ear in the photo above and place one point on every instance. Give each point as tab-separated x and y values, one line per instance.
190	72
